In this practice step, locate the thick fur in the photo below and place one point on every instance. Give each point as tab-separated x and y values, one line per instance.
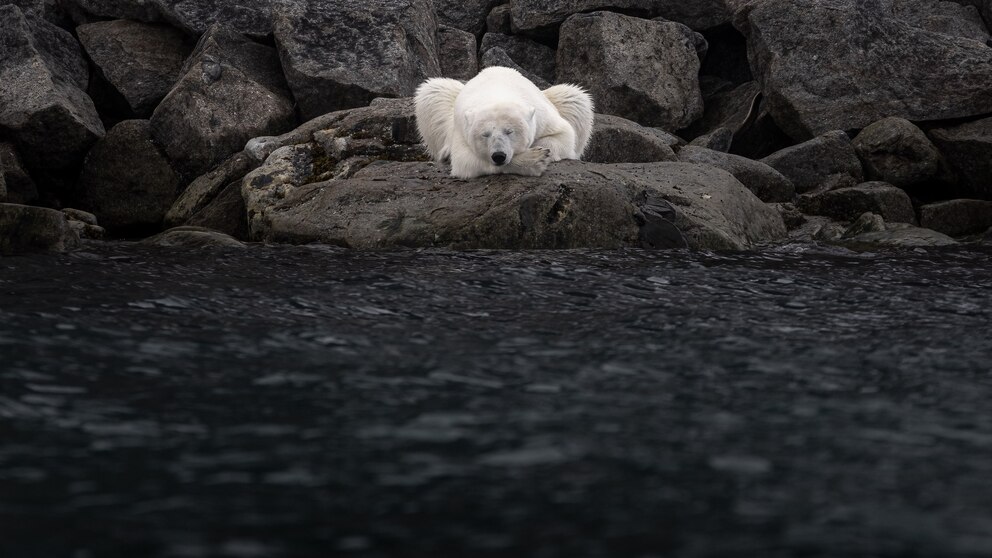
500	122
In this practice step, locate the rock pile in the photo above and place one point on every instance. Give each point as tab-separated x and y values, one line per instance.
723	124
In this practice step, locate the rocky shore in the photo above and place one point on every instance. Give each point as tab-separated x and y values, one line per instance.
723	124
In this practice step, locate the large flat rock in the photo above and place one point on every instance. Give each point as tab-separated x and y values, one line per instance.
25	229
574	204
843	64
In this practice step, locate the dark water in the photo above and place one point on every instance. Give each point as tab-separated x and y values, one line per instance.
314	402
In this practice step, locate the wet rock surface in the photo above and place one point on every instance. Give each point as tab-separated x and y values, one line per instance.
309	401
25	229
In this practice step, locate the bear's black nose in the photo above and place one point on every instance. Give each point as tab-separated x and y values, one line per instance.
499	157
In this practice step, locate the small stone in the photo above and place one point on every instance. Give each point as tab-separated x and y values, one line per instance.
847	204
866	223
894	150
719	139
809	164
27	229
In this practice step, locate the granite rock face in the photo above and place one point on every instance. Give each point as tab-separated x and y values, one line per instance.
231	90
618	140
26	229
542	16
140	61
467	15
126	181
572	205
812	164
646	71
894	150
535	58
457	53
339	54
766	183
957	217
250	17
44	109
847	204
843	64
968	150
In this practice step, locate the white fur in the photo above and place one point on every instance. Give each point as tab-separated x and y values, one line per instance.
497	113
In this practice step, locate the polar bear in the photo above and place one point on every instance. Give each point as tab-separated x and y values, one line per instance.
499	122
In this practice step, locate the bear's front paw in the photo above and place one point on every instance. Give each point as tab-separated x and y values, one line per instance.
534	161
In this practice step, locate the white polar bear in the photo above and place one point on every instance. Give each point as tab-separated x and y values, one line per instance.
500	122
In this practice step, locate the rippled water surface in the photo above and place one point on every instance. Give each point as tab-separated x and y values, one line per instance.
315	402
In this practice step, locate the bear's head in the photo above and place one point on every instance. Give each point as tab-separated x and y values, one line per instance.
500	131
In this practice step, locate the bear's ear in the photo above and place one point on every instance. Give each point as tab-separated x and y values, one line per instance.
532	117
469	116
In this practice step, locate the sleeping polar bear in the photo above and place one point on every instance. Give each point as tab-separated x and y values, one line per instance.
500	122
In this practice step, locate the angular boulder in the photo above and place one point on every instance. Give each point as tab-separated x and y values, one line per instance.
202	191
968	150
847	204
767	183
193	237
226	213
573	204
533	57
957	217
338	54
231	90
467	15
543	16
18	185
26	229
250	17
650	77
496	56
894	150
811	164
126	181
900	235
43	107
618	140
457	53
140	61
499	20
843	64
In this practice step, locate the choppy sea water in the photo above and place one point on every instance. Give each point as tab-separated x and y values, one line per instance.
301	401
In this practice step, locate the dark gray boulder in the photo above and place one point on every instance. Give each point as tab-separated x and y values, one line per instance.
847	204
957	217
50	10
812	164
957	19
968	150
18	185
766	183
25	229
251	17
533	57
140	61
457	53
573	204
720	139
43	107
618	140
339	54
467	15
500	20
651	76
899	235
894	150
231	90
225	213
202	191
496	56
543	16
126	180
843	64
84	224
193	237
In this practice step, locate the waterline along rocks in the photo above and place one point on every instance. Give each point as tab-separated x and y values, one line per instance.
721	124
